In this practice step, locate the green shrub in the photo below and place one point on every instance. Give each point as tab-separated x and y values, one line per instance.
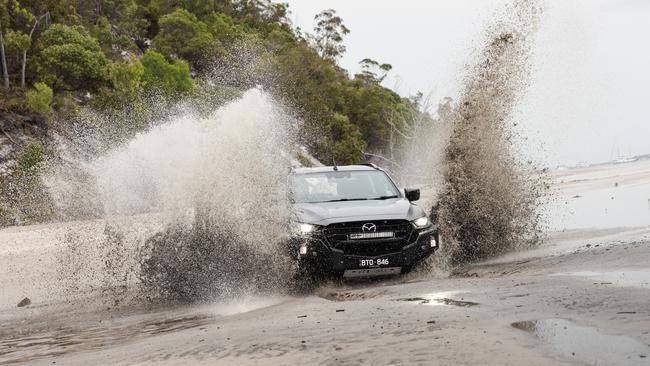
304	161
169	77
125	88
39	99
69	59
32	158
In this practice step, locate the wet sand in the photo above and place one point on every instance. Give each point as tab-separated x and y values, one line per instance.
580	298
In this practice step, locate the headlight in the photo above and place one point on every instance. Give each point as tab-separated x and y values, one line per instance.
422	222
299	228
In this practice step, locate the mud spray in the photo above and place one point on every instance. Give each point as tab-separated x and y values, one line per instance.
193	209
487	201
490	200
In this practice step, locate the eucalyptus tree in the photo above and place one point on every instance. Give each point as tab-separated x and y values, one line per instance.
4	20
28	42
329	31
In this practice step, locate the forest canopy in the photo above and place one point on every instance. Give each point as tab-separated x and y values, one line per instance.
111	53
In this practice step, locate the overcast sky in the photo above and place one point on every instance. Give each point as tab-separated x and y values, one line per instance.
589	98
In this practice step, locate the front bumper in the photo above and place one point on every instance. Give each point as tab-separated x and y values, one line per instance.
323	258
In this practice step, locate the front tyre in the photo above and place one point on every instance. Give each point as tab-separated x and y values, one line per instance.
406	269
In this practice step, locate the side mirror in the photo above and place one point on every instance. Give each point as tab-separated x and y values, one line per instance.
412	194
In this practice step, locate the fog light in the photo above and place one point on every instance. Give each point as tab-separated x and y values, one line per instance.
433	243
303	249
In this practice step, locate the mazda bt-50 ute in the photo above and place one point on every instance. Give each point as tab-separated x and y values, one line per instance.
354	221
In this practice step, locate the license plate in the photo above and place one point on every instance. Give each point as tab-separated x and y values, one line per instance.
373	262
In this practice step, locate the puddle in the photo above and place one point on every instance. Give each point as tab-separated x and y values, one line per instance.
446	301
21	348
420	300
439	301
587	344
617	278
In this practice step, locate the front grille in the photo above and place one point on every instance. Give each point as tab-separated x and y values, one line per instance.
345	236
371	249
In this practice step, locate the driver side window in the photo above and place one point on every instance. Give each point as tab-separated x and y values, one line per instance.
382	186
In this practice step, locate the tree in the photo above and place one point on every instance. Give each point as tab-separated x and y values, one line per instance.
372	72
200	8
71	59
5	72
182	35
22	42
4	20
346	142
113	40
159	74
223	27
24	19
16	42
329	31
45	16
260	16
371	107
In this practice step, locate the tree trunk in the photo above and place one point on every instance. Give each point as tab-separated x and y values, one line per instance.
5	71
46	15
22	71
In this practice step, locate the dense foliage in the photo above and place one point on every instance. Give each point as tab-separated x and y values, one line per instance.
110	53
39	100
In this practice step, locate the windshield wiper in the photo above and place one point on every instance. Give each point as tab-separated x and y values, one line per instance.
385	197
347	199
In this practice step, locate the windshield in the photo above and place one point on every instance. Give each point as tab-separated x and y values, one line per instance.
342	186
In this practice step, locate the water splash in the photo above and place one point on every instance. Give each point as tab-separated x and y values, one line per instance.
216	186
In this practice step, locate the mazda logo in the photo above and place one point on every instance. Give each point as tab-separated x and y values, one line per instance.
369	227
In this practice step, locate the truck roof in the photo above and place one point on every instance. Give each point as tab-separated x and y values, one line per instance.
340	168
